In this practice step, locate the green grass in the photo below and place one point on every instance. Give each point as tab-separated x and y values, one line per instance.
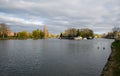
116	68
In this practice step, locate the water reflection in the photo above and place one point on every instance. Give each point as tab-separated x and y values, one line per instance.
53	57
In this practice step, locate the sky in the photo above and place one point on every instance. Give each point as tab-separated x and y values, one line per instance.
99	15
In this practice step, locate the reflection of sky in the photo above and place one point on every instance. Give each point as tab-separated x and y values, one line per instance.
99	15
53	57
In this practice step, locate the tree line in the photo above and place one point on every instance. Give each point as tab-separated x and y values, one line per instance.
36	34
73	32
113	33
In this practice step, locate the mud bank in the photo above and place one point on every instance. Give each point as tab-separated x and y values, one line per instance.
108	69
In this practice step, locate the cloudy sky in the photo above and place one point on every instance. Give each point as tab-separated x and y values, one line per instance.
58	15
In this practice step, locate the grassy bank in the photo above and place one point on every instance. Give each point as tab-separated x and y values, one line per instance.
112	68
116	68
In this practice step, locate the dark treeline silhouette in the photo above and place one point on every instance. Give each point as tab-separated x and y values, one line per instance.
71	33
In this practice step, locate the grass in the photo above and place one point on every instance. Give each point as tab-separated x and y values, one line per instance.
116	68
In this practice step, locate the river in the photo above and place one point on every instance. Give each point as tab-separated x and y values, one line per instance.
53	57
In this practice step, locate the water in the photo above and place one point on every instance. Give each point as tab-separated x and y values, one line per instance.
53	57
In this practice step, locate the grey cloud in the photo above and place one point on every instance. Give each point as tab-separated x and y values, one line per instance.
61	14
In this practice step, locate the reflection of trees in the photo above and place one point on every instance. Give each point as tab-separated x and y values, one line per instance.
77	47
4	44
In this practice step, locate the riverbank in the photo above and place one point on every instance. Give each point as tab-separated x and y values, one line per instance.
112	68
14	38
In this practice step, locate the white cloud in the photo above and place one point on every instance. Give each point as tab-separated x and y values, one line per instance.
62	13
19	21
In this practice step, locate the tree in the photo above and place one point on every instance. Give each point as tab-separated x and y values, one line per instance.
61	35
41	34
3	29
116	29
72	32
78	32
22	35
86	33
36	34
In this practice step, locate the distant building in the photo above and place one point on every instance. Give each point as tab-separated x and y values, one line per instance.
10	33
117	35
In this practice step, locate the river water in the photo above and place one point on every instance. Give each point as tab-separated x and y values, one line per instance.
53	57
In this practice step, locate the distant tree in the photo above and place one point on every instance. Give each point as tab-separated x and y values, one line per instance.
29	35
61	35
36	34
22	35
3	29
78	32
116	29
41	34
72	32
86	33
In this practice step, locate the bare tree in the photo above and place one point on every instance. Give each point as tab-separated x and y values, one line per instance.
3	29
116	29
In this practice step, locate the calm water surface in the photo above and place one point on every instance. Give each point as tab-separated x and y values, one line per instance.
53	57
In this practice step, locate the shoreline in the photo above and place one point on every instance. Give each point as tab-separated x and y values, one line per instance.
109	66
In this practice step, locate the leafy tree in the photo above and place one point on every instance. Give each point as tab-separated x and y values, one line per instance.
78	32
86	33
36	34
22	35
72	32
41	34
